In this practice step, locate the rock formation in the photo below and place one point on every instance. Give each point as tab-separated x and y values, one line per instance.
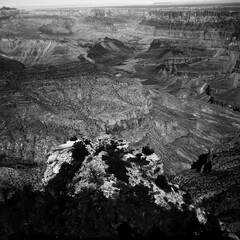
7	13
109	50
218	191
91	190
58	28
10	65
33	52
216	26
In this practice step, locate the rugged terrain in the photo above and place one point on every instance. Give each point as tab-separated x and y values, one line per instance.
218	191
166	78
7	13
178	129
100	190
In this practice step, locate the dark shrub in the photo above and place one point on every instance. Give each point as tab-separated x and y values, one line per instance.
79	151
207	167
187	198
155	233
73	138
100	149
147	151
162	183
141	161
200	162
117	167
124	231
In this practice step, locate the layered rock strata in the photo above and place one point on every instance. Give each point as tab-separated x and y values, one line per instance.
207	25
52	111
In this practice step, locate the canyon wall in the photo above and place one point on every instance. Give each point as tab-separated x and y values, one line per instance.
38	51
204	25
178	130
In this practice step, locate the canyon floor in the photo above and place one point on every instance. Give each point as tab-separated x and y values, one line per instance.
163	80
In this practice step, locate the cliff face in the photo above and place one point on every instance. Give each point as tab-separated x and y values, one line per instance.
32	51
91	190
108	50
56	28
218	190
206	25
189	68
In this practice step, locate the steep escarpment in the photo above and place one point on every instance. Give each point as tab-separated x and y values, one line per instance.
218	190
102	20
32	51
204	25
91	190
109	50
192	70
59	27
119	22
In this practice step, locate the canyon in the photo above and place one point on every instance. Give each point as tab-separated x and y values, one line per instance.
157	77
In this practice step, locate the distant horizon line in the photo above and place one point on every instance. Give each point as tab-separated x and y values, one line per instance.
213	2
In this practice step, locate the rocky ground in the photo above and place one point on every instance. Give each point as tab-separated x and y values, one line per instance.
100	190
218	190
47	111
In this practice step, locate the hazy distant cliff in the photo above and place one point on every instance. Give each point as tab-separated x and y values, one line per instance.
206	25
6	12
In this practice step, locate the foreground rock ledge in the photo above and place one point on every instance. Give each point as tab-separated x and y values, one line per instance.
102	190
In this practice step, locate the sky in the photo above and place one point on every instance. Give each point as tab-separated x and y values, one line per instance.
73	2
17	3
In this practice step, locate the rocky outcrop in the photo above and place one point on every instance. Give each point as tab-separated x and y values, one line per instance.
109	162
109	50
103	21
6	13
186	69
218	190
33	52
105	190
56	28
10	65
102	15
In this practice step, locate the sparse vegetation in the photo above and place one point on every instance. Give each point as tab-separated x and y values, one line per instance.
202	160
147	150
162	183
115	162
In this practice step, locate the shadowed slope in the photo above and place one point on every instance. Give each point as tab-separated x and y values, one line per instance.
218	191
